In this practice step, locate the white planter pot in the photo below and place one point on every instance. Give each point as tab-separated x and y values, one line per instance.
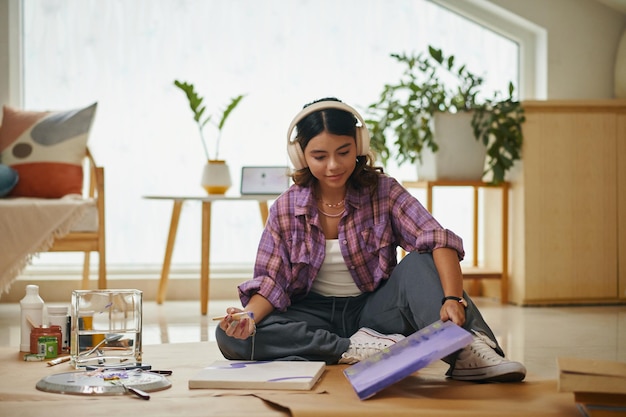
460	155
216	177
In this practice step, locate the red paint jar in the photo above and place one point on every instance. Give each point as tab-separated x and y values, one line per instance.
37	332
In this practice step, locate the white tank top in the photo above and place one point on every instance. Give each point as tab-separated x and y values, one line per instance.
334	279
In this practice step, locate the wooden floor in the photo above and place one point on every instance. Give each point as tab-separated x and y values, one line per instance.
535	336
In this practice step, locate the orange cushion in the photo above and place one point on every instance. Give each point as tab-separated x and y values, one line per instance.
46	149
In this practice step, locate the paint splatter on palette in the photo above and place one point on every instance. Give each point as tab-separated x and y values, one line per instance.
102	382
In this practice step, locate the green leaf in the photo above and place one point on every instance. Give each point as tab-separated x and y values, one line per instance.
233	103
195	104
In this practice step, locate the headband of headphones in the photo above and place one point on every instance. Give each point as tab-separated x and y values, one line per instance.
296	154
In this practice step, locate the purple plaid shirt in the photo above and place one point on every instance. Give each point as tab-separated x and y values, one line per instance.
292	246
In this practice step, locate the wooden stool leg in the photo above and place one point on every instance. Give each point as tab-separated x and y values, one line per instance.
476	283
85	282
264	211
167	261
206	257
504	281
102	269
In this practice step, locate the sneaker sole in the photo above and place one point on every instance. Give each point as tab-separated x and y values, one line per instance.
510	372
483	377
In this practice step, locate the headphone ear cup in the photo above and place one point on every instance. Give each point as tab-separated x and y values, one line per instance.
296	155
362	140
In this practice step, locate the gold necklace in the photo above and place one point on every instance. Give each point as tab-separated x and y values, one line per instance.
339	204
332	215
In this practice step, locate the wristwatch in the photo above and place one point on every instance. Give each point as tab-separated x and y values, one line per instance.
452	297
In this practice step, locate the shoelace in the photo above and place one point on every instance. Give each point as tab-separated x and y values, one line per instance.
364	350
485	339
483	347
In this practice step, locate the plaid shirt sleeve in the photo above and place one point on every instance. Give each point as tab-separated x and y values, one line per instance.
288	256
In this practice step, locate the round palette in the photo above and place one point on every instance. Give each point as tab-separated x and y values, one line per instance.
102	382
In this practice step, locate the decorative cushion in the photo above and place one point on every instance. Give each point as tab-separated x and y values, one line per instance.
8	179
46	149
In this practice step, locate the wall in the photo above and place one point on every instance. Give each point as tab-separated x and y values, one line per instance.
583	38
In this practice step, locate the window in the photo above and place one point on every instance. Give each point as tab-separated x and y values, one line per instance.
126	54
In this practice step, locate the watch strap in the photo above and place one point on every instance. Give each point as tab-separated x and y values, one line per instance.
452	297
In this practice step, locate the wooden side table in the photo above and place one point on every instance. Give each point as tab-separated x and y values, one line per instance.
205	236
475	272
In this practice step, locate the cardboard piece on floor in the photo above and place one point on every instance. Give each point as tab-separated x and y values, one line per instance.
429	393
426	393
599	386
591	375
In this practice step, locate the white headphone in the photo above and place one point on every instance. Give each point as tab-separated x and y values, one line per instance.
296	154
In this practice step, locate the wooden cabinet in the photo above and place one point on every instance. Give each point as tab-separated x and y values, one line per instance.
621	201
568	205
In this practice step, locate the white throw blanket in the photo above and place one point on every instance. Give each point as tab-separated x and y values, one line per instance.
29	226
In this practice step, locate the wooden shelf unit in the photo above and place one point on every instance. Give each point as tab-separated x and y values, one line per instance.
475	271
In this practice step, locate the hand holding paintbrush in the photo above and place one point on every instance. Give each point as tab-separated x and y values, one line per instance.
240	325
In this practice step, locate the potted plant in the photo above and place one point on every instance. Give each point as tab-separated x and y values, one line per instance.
434	85
216	174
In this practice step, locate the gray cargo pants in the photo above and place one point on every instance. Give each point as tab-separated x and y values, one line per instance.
318	328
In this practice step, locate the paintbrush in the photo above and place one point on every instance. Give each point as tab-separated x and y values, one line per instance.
236	316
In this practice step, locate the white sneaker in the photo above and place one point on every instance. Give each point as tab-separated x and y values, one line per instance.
367	342
480	362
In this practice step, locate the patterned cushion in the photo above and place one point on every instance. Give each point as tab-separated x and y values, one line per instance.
46	149
8	179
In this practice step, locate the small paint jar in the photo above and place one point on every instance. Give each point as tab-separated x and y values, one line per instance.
38	332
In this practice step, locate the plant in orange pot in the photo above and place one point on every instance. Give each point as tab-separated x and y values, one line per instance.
216	174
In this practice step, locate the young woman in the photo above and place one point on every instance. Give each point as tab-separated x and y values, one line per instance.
327	285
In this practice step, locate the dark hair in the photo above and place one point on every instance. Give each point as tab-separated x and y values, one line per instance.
337	122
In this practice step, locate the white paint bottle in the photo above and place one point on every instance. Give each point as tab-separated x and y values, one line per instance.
31	307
